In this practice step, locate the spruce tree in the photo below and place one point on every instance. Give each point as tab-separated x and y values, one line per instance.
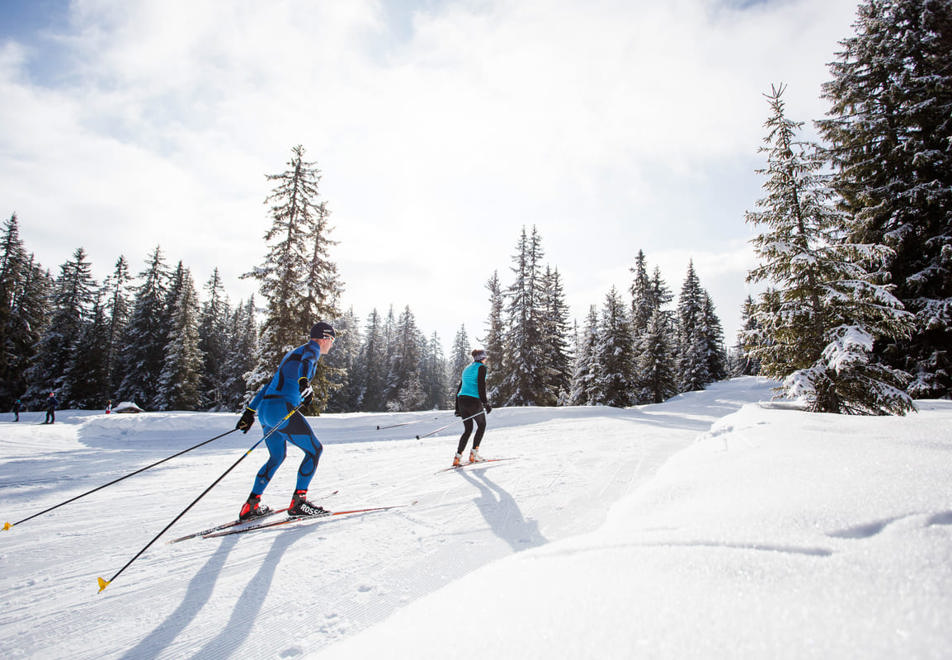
890	136
296	278
143	340
342	362
494	343
584	390
828	307
614	353
434	375
747	365
372	366
213	343
87	383
460	357
525	364
118	309
655	362
240	357
12	266
179	385
29	319
73	301
405	389
555	336
693	343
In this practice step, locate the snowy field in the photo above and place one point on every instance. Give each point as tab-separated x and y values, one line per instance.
715	525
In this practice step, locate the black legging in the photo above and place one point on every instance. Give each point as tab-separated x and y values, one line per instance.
469	406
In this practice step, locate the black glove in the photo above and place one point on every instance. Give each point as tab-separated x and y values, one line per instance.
488	408
246	421
307	393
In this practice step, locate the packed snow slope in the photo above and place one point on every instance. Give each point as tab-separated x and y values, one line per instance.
708	526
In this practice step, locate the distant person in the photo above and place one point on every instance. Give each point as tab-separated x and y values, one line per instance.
289	388
109	406
16	411
50	409
471	404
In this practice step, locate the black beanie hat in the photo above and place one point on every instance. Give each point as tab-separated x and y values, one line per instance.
322	330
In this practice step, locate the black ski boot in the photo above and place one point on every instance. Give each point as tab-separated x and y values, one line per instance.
300	507
252	509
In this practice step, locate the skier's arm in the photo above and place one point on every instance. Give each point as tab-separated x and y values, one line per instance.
481	383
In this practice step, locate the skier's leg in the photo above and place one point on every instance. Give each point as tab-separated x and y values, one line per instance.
302	436
277	450
463	439
480	429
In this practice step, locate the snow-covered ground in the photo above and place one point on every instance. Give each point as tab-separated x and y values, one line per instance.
711	526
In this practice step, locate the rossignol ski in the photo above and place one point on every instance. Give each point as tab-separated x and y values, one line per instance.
287	521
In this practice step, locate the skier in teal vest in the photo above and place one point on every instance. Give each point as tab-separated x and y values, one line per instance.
288	389
472	405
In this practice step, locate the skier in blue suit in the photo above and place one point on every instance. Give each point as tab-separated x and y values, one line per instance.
289	388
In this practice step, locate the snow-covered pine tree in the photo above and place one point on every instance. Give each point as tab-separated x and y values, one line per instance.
713	338
29	320
460	357
240	357
214	343
404	378
371	372
13	264
615	353
643	304
890	136
87	376
648	296
73	299
293	271
693	372
525	364
555	335
433	374
118	309
180	378
342	364
655	363
584	390
494	343
143	341
747	365
827	308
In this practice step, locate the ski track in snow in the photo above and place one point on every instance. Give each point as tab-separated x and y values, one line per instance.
294	590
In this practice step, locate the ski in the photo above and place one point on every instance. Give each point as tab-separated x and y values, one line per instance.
474	464
288	521
235	523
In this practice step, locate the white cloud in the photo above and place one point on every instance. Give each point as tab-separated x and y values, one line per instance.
612	126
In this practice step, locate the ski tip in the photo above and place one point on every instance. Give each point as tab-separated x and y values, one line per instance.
102	584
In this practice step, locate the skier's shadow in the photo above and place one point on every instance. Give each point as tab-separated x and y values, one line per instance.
196	596
502	513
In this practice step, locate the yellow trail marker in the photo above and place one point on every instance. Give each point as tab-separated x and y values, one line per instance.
103	584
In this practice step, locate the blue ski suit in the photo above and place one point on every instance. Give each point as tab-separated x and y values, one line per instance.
273	402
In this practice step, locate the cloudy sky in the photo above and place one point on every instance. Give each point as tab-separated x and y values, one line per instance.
441	129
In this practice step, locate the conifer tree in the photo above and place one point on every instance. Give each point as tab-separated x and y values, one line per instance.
180	378
342	362
12	266
693	367
372	366
555	336
213	343
295	278
655	362
86	385
460	357
72	304
614	353
827	308
143	340
404	379
585	377
890	136
29	319
494	344
525	366
747	365
240	358
118	309
433	373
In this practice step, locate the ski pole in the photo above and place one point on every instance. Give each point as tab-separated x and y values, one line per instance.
481	412
8	525
392	426
105	583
